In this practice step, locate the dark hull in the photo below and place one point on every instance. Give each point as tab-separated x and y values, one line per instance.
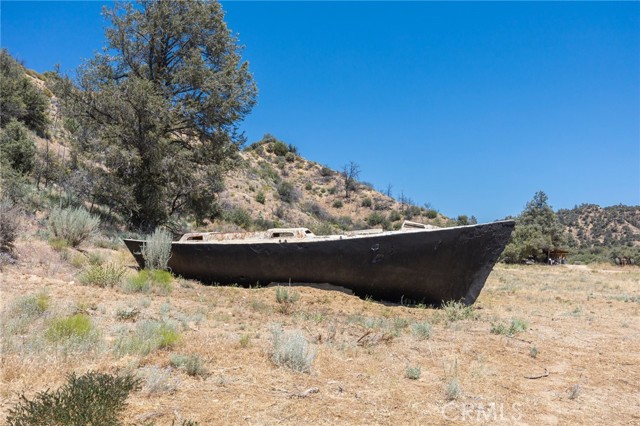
416	267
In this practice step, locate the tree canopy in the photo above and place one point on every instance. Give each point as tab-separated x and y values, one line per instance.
537	232
156	114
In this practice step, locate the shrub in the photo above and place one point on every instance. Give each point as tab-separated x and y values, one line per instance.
158	380
422	330
280	148
432	214
394	216
24	311
156	251
78	326
291	350
191	364
9	223
73	225
453	389
367	202
17	147
325	171
375	219
91	399
290	157
109	275
413	373
286	299
148	280
148	336
260	197
240	217
337	204
456	311
287	192
516	326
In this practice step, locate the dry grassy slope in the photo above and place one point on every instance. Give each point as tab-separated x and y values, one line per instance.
320	195
591	225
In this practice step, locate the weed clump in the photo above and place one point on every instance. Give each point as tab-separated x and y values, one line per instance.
422	330
291	350
147	281
73	225
286	299
148	336
413	373
191	364
517	325
453	311
91	399
109	275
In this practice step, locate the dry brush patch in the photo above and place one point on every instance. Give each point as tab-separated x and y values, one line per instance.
373	363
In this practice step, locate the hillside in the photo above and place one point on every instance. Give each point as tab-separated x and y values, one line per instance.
590	225
274	186
605	232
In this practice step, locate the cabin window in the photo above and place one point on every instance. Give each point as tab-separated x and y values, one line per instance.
282	234
195	238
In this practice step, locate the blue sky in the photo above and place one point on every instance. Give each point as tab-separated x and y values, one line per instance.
471	107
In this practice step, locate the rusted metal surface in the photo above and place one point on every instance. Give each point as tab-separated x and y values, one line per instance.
413	266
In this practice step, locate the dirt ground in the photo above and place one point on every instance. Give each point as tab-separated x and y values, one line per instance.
576	361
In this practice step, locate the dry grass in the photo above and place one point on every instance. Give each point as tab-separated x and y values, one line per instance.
584	324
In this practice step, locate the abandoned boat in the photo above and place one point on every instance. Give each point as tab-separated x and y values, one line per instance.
416	264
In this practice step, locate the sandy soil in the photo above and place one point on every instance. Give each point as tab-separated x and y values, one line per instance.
576	363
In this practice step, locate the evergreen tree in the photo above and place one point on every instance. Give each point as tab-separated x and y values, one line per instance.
537	232
158	110
20	99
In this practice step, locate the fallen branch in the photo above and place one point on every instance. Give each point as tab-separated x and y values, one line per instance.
305	393
545	374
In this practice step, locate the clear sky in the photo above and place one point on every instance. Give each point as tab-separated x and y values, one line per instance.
471	107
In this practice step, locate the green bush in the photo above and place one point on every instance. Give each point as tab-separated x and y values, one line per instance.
287	192
260	197
394	216
337	204
280	148
367	202
149	280
92	399
375	219
78	326
109	275
432	214
156	250
73	225
17	147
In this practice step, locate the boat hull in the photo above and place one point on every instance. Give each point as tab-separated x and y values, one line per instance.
426	266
